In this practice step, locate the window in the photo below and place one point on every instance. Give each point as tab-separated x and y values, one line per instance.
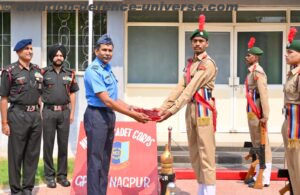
221	17
4	39
62	28
152	16
218	50
295	16
152	54
261	16
271	60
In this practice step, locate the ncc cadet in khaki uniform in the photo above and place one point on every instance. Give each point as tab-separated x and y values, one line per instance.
21	84
58	95
195	90
257	107
291	125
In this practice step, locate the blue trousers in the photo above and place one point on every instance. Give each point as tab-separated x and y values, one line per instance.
99	124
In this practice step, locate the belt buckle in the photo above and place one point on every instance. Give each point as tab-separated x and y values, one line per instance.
30	108
57	108
203	121
251	115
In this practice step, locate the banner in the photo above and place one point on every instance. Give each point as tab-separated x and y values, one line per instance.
133	167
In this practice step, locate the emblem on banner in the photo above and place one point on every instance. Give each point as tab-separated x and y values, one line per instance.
120	153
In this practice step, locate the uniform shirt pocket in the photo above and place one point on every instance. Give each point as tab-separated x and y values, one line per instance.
108	80
20	85
109	84
67	80
21	80
49	82
291	89
291	86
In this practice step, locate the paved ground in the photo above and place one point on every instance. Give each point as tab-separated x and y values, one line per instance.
186	187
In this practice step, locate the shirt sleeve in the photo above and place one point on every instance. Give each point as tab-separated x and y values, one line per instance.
175	93
263	93
97	82
74	85
200	79
5	84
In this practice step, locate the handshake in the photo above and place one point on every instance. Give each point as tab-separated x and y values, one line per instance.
144	115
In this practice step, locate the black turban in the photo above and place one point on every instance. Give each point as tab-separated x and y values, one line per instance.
54	49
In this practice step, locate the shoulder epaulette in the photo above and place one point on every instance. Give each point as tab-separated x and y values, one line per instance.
9	68
36	66
202	66
95	67
44	70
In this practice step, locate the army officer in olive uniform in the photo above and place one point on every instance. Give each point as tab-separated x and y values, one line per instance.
58	96
21	84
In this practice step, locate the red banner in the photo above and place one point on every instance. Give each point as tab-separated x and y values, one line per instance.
133	167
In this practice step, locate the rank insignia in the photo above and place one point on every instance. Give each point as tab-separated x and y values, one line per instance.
38	76
67	78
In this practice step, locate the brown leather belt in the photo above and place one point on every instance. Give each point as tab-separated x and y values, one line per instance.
26	108
57	107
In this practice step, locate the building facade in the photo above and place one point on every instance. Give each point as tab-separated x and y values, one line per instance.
151	48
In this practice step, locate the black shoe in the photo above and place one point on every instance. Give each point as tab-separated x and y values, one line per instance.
27	192
51	183
250	180
64	182
18	193
251	185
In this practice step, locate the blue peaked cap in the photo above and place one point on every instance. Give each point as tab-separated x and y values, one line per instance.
105	39
23	43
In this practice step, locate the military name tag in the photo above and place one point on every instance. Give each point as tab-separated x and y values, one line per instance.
251	115
203	121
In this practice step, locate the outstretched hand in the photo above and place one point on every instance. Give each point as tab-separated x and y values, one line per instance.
141	117
164	115
160	111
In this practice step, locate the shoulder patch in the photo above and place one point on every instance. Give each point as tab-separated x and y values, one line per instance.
95	67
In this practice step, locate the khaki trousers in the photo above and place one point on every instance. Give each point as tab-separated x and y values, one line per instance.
202	147
254	130
292	156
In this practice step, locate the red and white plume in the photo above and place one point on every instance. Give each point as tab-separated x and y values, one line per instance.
201	22
251	42
292	34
